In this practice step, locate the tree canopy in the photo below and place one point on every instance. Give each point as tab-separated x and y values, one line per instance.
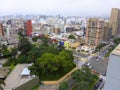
71	37
83	77
53	64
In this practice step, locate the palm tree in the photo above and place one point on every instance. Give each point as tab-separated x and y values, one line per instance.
1	83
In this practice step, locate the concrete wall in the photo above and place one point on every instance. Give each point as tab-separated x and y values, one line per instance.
29	85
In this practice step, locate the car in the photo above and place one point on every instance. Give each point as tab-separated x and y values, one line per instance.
97	85
0	65
104	74
88	64
97	59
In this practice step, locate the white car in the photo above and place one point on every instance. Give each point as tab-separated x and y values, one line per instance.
97	59
90	66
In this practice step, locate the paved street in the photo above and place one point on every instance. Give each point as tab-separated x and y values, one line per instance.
79	54
99	66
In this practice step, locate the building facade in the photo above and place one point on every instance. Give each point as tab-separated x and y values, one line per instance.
115	21
28	27
107	32
113	74
94	32
1	30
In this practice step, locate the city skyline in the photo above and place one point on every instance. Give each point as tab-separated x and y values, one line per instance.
62	7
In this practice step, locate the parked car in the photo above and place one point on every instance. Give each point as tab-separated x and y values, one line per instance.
97	85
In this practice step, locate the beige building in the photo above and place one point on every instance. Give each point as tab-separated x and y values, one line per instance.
94	32
1	30
55	30
115	21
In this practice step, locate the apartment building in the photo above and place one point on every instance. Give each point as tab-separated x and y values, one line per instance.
1	30
94	32
115	21
28	27
107	32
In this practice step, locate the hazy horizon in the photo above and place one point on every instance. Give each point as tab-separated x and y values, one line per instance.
62	7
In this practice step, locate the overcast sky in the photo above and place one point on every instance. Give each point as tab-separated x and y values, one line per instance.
62	7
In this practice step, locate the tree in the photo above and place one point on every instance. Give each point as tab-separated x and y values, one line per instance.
71	37
47	64
63	86
83	77
5	51
45	41
34	39
21	34
82	85
22	59
78	75
4	47
52	64
24	46
33	54
13	52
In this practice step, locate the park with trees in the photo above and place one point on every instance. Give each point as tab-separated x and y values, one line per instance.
84	79
49	61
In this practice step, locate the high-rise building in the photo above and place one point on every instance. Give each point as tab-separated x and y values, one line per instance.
107	32
1	30
113	74
94	32
55	30
28	27
115	21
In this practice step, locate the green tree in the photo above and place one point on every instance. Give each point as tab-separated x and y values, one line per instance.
83	77
82	85
22	59
63	86
78	75
71	37
83	74
5	51
24	46
47	64
21	34
33	54
52	64
4	47
13	52
34	39
45	41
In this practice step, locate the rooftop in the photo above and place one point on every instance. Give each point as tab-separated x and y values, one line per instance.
116	51
4	72
18	77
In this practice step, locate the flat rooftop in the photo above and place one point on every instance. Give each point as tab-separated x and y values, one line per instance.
15	78
116	51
